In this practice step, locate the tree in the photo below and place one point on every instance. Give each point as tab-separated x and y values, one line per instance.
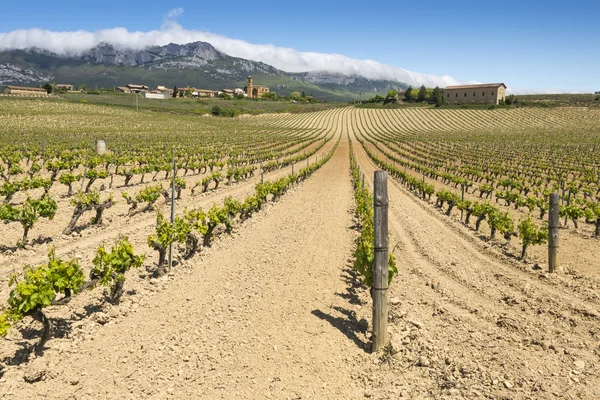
436	94
48	86
422	94
391	94
408	93
303	94
295	96
175	91
82	86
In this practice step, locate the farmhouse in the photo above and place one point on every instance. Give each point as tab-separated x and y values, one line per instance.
137	88
255	91
488	93
24	90
156	95
65	86
206	93
122	89
161	88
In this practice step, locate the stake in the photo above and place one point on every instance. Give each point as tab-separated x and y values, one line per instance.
380	267
553	223
462	197
568	204
43	155
261	173
84	171
172	210
292	168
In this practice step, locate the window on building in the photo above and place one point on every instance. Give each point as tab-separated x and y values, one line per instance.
465	94
492	93
456	94
483	93
448	95
474	94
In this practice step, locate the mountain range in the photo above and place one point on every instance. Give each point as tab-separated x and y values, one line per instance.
196	64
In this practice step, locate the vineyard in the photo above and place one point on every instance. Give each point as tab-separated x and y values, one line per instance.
268	291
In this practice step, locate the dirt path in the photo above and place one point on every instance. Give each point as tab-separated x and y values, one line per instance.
262	316
476	325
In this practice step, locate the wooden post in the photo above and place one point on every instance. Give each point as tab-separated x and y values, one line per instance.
363	180
553	223
43	155
84	171
568	204
261	173
172	209
292	168
462	197
381	259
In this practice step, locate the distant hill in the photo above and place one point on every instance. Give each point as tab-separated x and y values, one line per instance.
196	64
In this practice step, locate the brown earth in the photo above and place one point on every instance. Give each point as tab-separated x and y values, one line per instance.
275	311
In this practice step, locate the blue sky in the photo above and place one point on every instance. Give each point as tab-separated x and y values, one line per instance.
526	44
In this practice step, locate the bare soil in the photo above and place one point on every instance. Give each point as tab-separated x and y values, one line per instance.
275	311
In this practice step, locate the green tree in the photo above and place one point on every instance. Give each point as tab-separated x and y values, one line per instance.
48	86
391	94
175	91
82	86
303	94
436	94
295	96
422	94
408	93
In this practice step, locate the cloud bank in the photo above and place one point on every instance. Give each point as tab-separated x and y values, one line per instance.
284	58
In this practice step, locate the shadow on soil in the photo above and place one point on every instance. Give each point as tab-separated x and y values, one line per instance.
344	319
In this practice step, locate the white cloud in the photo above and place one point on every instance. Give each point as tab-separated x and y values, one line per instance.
284	58
174	13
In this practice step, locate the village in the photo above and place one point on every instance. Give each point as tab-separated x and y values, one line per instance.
160	92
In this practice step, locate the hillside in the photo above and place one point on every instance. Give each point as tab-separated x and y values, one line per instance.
196	64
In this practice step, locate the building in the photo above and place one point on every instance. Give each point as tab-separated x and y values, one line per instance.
122	89
183	91
65	86
24	90
255	91
160	88
164	95
206	93
488	93
137	88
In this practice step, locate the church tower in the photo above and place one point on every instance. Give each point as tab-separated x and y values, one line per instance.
249	87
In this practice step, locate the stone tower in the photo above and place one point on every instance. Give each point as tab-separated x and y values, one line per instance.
249	87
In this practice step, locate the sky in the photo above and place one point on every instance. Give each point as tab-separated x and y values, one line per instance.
532	46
